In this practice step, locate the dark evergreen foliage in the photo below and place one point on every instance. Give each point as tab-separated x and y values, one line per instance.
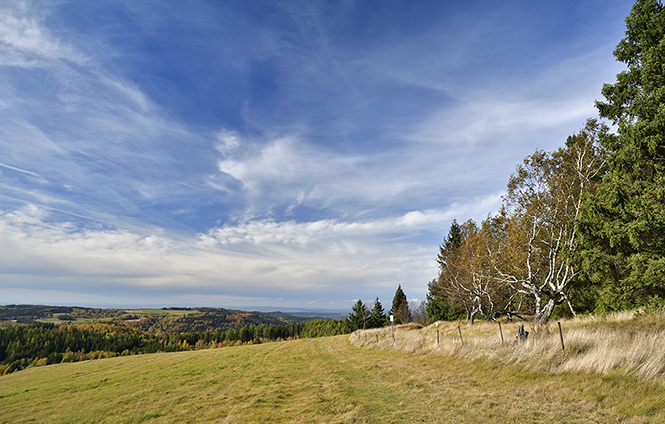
451	243
358	316
624	225
44	344
437	304
400	309
377	316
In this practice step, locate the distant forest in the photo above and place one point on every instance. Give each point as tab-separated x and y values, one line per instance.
153	321
43	335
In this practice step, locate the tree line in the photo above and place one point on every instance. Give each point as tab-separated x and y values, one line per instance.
372	315
158	321
581	228
23	346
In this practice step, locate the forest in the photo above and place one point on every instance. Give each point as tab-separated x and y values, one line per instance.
581	229
23	346
34	335
171	320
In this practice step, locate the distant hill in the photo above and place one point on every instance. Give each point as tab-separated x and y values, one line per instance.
165	320
312	314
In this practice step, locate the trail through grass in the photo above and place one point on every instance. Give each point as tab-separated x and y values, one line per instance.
325	380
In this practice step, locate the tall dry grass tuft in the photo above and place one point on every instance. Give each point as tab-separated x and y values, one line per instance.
625	343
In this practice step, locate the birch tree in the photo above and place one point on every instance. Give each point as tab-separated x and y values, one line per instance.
544	201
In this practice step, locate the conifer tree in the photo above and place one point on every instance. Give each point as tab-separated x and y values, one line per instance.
450	245
400	309
437	306
437	303
624	221
358	316
377	316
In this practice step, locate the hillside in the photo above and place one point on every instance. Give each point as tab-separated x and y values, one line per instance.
628	344
154	321
320	380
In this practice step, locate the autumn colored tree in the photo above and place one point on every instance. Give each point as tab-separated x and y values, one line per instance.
469	280
525	258
544	201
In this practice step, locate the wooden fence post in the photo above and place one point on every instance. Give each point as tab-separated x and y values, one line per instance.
501	331
561	336
459	328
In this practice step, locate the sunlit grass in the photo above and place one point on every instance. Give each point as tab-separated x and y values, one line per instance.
329	380
622	343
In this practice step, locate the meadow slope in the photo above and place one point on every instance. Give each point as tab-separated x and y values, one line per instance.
325	380
627	343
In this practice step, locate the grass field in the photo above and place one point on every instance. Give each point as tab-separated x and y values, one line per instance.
622	344
326	380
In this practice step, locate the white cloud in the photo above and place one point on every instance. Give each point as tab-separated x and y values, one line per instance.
284	160
322	231
228	141
290	259
457	149
290	171
24	42
341	161
79	135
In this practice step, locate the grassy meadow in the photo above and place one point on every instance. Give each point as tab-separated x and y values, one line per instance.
625	344
345	380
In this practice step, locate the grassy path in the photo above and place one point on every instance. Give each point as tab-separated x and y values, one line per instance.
316	380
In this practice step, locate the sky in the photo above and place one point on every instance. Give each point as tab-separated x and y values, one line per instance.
272	154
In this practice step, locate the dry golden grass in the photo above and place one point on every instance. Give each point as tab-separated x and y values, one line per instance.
625	344
326	380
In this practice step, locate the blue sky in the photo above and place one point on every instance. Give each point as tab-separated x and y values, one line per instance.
282	154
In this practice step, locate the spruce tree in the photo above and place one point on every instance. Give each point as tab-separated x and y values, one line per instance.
377	316
400	309
436	304
624	222
358	316
450	244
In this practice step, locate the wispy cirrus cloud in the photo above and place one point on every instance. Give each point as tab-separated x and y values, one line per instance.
299	150
24	42
90	135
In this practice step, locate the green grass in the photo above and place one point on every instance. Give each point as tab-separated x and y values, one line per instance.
326	380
